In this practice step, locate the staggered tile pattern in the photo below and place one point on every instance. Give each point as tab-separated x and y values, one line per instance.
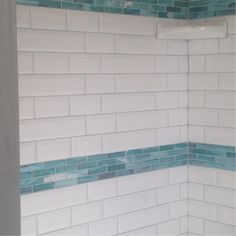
179	9
210	8
72	171
161	8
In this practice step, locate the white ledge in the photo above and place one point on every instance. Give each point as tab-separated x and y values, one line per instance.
199	29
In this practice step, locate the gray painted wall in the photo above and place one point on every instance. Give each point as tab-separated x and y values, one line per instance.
9	125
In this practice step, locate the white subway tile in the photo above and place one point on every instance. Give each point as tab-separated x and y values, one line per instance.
103	227
100	83
81	230
220	196
54	220
127	64
168	194
203	46
140	45
129	140
170	227
196	225
29	226
23	16
231	24
102	189
227	215
84	63
225	100
202	210
183	99
178	175
51	106
82	21
141	82
196	134
203	81
128	203
221	136
50	63
196	191
220	63
100	124
141	182
49	41
64	197
178	117
87	145
227	45
196	63
50	85
27	153
177	47
167	100
86	213
85	105
141	120
168	64
128	102
227	81
203	175
53	149
178	209
146	231
142	218
184	225
184	64
184	191
205	117
177	82
100	43
168	135
226	118
25	63
51	128
124	24
215	228
48	18
183	133
196	99
26	108
227	179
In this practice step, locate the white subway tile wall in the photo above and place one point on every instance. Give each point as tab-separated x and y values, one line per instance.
212	86
212	201
93	83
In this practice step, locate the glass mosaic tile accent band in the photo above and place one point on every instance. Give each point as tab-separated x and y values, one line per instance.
55	174
73	171
178	9
214	156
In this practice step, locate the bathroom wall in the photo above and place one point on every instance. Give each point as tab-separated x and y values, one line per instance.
212	121
92	83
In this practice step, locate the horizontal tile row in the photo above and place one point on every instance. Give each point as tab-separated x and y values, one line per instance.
72	171
170	9
215	156
63	63
34	40
167	9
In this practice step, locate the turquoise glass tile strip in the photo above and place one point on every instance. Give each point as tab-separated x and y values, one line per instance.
178	9
72	171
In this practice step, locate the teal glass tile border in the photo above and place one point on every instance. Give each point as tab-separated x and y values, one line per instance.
76	170
214	156
72	171
177	9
